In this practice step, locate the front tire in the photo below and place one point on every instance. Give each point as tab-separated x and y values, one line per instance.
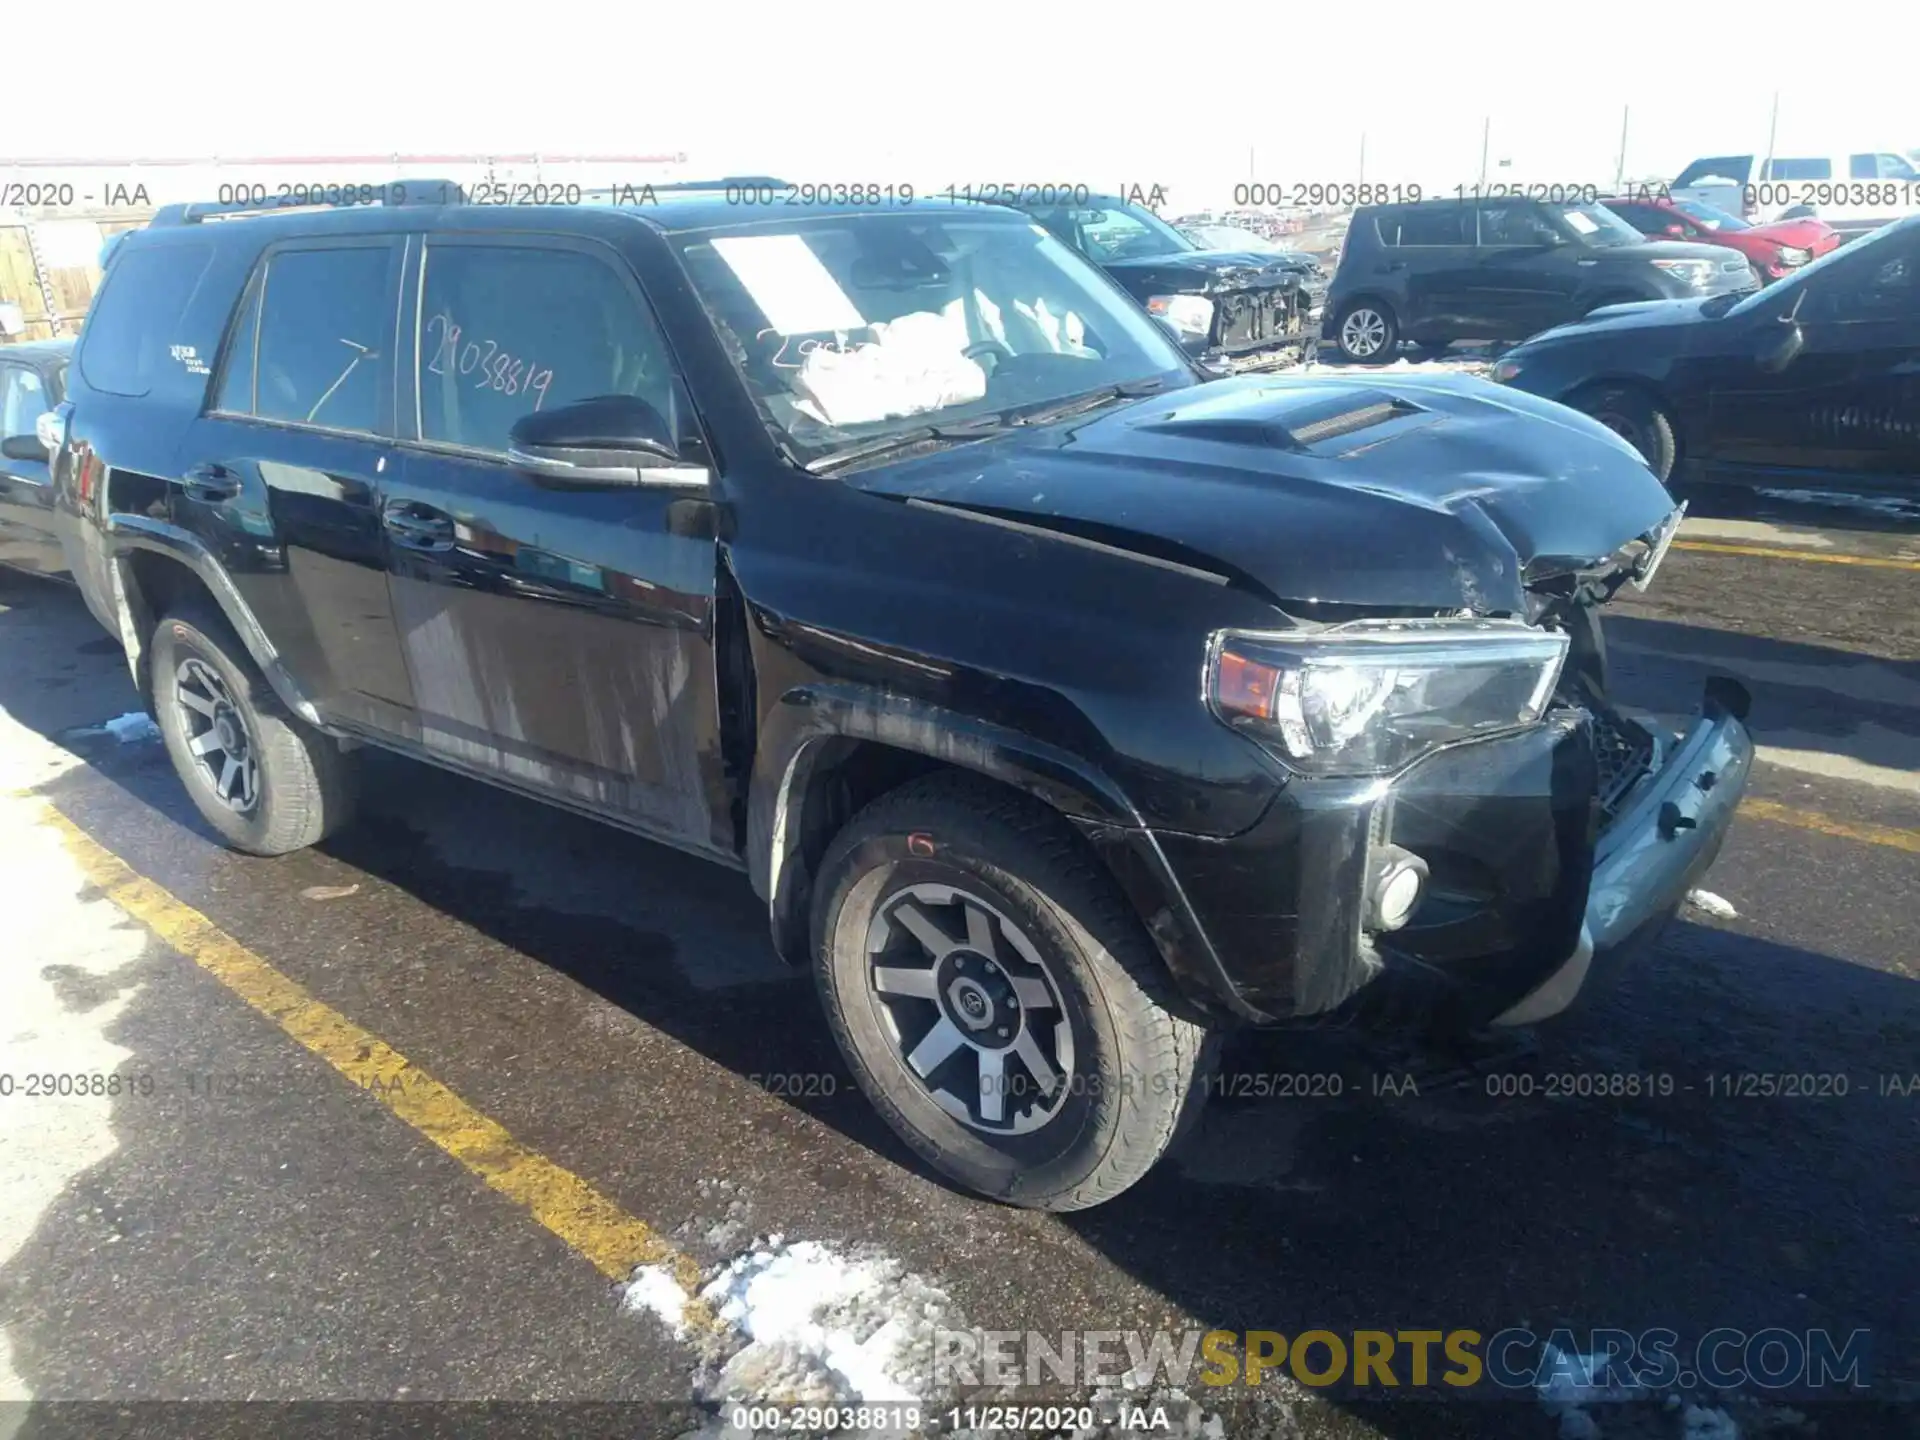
1367	333
267	781
1636	417
997	1001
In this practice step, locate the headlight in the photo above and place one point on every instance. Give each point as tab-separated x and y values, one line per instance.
1692	272
1793	255
1188	314
1372	697
1505	372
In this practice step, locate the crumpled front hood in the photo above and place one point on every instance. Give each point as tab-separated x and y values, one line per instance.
1205	272
1420	491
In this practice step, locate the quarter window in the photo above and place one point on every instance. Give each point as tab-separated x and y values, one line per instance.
125	340
509	330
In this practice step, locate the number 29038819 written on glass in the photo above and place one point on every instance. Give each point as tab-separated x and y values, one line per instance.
452	352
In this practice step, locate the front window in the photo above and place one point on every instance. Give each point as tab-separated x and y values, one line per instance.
848	328
1596	225
1115	232
1712	217
1880	267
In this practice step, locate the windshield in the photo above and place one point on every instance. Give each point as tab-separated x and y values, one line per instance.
1112	231
1710	216
1599	226
1786	292
849	328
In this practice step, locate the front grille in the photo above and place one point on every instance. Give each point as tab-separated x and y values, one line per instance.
1258	317
1623	751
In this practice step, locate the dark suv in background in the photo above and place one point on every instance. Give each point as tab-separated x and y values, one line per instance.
874	552
1438	271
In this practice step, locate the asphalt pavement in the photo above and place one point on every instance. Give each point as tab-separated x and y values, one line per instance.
263	1222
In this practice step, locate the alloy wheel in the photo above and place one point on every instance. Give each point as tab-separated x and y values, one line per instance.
1363	332
216	734
973	1009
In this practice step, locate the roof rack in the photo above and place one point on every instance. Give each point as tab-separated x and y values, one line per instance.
393	192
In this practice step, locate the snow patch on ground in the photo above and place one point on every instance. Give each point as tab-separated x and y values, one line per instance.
1574	1382
1465	365
136	727
808	1325
655	1292
1714	905
821	1326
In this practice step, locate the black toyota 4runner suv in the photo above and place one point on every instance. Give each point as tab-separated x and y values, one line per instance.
1063	710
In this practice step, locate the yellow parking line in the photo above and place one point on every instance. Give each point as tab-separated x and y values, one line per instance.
587	1221
1782	552
1826	825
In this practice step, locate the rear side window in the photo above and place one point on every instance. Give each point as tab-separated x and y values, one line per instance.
126	338
509	330
1800	168
1445	224
312	342
1723	167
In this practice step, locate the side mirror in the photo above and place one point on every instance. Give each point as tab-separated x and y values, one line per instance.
608	440
24	447
1777	351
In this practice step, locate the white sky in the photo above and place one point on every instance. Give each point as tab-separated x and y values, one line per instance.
1195	96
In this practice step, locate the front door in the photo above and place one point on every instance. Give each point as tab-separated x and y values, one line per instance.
560	638
1844	407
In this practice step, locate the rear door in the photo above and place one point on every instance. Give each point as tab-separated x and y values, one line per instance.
1844	407
558	638
284	472
1427	253
28	540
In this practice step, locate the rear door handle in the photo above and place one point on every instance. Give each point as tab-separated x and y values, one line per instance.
210	483
418	528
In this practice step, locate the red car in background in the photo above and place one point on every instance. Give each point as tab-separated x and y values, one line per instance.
1774	250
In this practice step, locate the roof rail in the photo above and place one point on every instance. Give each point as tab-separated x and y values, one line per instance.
395	192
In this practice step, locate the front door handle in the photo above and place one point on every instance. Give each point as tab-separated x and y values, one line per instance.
210	483
418	528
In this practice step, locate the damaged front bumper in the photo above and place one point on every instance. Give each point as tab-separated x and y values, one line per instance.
1541	858
1666	833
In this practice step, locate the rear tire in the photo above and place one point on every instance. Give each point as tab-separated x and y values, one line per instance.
996	999
267	781
1637	418
1367	333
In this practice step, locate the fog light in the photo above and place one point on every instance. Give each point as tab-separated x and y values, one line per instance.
1398	879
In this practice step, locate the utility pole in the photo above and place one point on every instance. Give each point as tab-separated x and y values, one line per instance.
1773	129
1620	170
1486	136
1363	156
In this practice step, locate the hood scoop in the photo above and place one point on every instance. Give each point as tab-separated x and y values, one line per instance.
1306	423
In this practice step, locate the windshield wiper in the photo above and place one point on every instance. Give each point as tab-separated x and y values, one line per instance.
958	431
1092	400
982	425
